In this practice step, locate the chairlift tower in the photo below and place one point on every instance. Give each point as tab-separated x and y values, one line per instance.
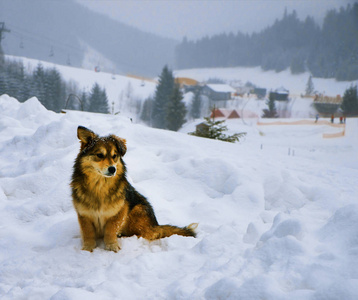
2	29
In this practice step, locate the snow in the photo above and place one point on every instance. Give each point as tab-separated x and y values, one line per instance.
277	212
270	80
224	88
122	91
127	93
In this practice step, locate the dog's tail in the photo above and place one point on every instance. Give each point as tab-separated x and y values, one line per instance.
168	230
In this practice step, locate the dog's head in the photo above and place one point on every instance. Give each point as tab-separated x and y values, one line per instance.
101	154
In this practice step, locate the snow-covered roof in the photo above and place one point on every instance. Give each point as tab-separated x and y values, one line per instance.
222	88
281	90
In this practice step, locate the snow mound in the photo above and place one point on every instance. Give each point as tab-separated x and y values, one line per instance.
272	225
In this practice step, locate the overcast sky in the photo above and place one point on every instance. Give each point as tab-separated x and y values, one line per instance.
197	18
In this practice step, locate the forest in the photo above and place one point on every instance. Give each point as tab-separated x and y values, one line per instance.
49	87
329	51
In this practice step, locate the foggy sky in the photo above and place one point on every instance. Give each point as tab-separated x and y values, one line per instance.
197	18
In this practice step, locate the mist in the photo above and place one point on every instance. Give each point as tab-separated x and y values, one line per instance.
196	19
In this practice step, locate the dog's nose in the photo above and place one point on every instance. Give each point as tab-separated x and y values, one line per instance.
112	169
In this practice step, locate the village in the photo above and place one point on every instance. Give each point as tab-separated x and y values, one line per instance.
234	100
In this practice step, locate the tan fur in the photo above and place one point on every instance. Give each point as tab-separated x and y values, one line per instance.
106	204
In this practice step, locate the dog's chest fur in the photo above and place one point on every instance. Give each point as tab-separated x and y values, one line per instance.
100	217
99	201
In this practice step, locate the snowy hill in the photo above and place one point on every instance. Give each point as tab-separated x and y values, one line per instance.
126	94
277	212
67	32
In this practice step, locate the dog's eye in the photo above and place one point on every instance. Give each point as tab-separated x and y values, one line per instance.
114	156
100	155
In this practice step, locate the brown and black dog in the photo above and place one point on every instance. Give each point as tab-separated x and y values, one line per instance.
106	203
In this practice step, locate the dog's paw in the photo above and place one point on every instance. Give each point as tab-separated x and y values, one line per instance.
113	247
89	246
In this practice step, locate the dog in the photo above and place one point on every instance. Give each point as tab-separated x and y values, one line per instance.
107	205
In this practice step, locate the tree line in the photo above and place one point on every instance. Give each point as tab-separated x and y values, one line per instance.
48	86
330	51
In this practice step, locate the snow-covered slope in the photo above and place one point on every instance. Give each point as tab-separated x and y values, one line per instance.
122	91
126	94
274	223
270	80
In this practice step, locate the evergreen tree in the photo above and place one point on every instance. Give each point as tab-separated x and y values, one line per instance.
309	86
162	96
196	104
25	84
98	101
176	111
271	112
54	90
3	83
146	114
215	130
350	101
84	102
38	85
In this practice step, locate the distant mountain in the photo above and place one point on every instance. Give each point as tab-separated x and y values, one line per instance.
64	32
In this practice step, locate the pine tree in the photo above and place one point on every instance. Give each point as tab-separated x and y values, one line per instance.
3	83
84	103
176	111
98	101
350	101
271	112
38	85
147	111
215	130
196	104
309	86
54	90
162	96
25	84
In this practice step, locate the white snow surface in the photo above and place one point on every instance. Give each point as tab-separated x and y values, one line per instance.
277	212
271	80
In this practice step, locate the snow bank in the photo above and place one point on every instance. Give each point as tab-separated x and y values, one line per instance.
272	225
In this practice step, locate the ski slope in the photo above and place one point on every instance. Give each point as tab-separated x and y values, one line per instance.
277	212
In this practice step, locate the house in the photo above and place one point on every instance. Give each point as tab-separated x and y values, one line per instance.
218	92
260	92
280	94
224	113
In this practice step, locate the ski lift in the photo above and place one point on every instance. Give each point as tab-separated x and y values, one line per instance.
21	44
68	60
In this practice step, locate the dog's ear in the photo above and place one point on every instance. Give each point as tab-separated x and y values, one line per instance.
85	135
120	143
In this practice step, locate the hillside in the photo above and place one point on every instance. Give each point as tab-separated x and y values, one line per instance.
126	94
327	51
65	32
277	212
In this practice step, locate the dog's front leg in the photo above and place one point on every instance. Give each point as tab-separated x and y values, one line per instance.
88	233
114	227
